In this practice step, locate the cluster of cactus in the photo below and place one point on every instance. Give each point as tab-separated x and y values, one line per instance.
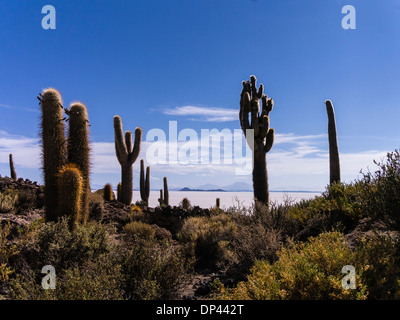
258	133
13	173
65	161
164	198
127	155
144	182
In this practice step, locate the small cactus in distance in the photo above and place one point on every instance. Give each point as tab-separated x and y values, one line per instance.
185	204
70	187
164	197
127	155
144	182
161	199
79	150
108	192
54	151
166	193
334	163
218	203
263	139
119	191
13	173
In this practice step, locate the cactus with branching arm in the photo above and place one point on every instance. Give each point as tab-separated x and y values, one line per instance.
127	155
258	133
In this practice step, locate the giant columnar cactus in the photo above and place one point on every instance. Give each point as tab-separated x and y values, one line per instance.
70	187
13	173
126	156
334	163
54	151
78	149
263	134
144	182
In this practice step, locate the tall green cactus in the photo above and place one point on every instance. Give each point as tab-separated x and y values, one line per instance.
334	163
263	134
79	150
54	151
13	173
144	182
70	187
126	155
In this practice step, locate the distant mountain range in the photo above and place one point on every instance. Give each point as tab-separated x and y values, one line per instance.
234	187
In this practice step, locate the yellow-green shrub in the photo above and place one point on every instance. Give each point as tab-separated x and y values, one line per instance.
209	239
140	230
8	200
309	270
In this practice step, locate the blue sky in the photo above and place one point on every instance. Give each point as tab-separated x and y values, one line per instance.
153	62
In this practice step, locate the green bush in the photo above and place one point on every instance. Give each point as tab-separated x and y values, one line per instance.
209	239
8	200
98	279
309	270
153	270
137	229
380	191
53	243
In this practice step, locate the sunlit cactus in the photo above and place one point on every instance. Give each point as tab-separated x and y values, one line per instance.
70	187
79	150
108	193
54	148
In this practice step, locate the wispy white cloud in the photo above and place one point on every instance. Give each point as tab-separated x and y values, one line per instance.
212	114
295	162
6	106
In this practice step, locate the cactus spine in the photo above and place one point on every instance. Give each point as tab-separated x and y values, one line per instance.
126	156
54	149
108	193
334	162
70	186
144	182
78	149
13	173
262	139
